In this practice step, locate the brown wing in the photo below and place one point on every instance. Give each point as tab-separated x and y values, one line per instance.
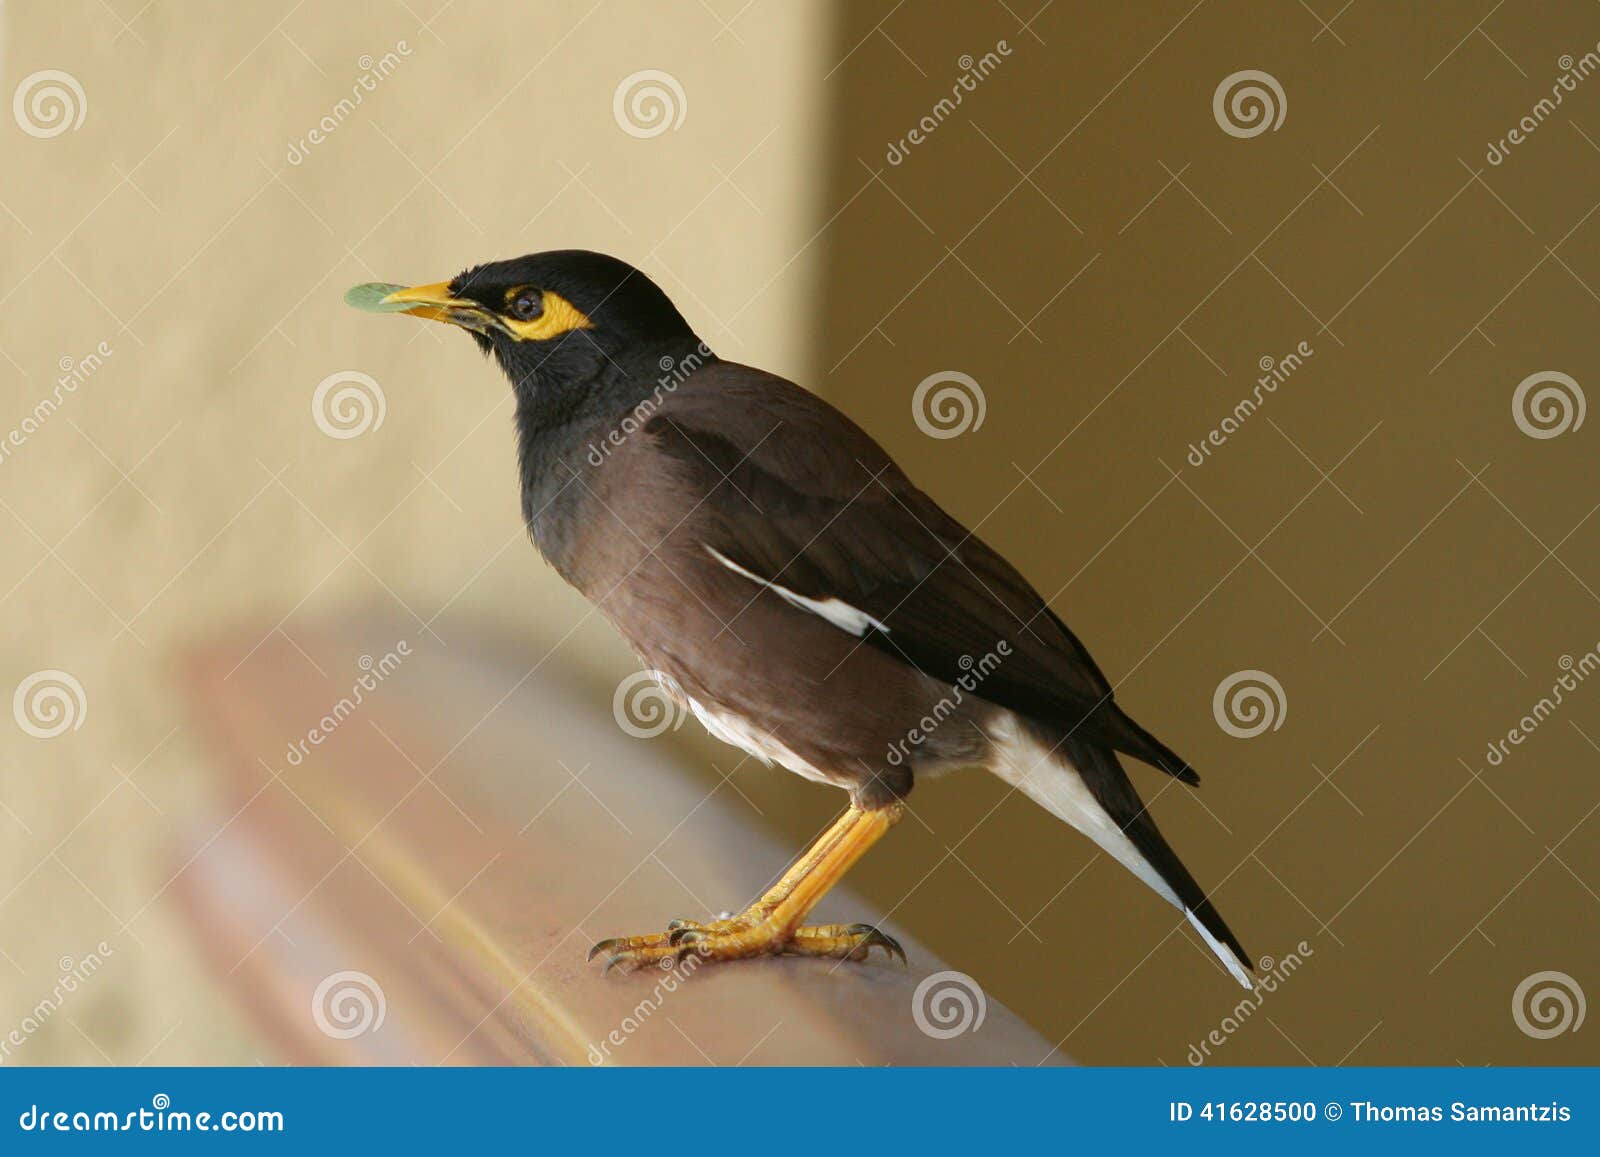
798	495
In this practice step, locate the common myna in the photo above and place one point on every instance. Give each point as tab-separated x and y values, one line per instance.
787	583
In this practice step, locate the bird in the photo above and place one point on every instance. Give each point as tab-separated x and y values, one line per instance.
785	581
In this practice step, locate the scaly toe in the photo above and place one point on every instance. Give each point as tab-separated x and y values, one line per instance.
618	945
689	931
843	942
681	930
723	940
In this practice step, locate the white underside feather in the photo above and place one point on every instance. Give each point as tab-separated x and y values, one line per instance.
1055	785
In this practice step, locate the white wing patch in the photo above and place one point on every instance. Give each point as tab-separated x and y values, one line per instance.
838	612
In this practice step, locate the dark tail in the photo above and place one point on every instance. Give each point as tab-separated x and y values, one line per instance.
1131	739
1102	773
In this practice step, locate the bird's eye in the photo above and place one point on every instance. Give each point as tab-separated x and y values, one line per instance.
527	305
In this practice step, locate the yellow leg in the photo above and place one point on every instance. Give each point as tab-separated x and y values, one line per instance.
824	844
679	930
772	924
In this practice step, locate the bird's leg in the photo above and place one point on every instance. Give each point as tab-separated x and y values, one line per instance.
776	894
677	930
772	924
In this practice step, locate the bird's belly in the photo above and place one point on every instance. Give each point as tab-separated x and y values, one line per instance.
732	728
791	687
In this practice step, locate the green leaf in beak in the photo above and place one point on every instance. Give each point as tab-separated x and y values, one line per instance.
370	297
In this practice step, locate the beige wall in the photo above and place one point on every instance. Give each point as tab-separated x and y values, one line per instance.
184	487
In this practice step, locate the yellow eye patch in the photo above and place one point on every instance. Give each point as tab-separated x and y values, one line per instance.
560	316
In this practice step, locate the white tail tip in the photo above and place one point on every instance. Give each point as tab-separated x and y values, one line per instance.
1224	953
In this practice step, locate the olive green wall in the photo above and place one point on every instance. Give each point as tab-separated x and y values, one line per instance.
1081	237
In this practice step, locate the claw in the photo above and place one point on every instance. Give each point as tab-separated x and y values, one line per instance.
603	946
876	937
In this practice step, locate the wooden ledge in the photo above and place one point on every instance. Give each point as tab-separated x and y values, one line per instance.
455	830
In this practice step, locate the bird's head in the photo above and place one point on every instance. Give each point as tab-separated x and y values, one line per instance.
552	319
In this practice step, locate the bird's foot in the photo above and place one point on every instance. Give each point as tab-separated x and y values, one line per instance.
843	942
680	930
741	937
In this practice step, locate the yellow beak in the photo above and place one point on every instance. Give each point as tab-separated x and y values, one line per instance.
430	301
434	302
